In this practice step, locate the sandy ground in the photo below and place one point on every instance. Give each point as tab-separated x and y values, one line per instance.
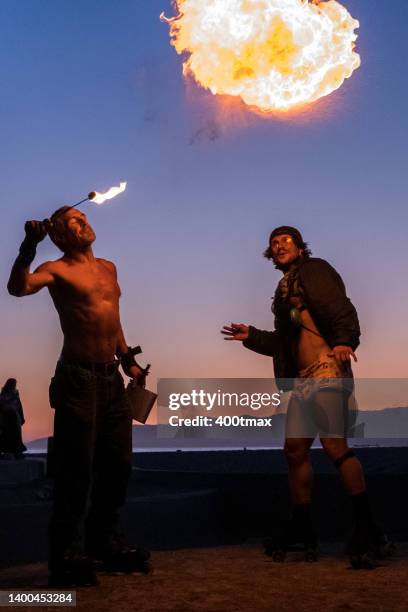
241	578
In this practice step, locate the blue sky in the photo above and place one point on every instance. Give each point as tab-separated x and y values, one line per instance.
92	92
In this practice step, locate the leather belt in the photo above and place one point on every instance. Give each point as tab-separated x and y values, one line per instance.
106	368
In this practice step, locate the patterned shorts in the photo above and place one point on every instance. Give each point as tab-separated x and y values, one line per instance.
322	374
311	410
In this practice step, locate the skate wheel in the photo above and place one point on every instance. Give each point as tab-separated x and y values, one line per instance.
388	550
147	569
365	561
311	556
279	556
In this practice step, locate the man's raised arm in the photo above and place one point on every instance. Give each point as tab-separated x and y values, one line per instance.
21	281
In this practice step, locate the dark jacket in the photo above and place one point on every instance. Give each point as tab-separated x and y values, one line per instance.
10	402
324	294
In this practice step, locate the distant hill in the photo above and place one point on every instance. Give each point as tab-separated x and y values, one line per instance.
387	427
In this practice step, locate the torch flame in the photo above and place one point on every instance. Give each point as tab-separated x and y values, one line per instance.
100	198
274	54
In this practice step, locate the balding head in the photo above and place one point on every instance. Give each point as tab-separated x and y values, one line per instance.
69	229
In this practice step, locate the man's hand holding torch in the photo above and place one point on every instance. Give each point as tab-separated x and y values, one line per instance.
35	232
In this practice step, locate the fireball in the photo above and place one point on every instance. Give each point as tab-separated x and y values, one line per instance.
275	55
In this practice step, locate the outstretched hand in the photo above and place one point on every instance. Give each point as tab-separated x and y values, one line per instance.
236	331
36	231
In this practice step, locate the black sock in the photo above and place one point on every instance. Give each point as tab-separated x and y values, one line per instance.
302	513
361	508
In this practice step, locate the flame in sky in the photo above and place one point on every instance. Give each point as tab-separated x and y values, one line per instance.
274	54
100	198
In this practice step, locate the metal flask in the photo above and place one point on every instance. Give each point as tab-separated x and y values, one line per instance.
141	401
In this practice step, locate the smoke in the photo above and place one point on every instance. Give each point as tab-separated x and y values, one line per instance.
152	77
210	131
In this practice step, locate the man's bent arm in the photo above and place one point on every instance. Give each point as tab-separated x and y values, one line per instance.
129	365
262	342
23	282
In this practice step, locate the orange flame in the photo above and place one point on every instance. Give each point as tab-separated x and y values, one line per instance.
274	54
100	198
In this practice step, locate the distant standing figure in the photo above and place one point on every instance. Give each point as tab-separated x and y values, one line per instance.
11	420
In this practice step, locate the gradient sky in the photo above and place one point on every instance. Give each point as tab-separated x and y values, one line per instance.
91	92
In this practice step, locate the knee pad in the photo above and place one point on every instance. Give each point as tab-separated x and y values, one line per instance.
348	455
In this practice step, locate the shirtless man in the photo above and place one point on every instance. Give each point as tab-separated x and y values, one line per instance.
93	424
316	334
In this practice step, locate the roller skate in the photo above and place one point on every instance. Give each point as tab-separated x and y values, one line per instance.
72	571
367	545
297	535
116	557
126	560
384	547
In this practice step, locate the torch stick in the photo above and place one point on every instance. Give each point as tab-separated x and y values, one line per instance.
98	197
90	196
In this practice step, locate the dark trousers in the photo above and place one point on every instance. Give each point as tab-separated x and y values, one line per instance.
92	458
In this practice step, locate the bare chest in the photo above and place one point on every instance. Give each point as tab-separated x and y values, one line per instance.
87	284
